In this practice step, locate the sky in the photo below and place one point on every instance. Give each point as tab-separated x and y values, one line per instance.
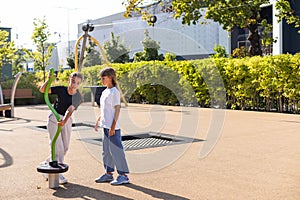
62	17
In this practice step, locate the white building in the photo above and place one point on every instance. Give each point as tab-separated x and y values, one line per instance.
194	41
63	50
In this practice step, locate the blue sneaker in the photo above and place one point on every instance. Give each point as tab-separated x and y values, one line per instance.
104	178
120	180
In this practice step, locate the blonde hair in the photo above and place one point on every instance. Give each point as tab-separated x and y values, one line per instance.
109	71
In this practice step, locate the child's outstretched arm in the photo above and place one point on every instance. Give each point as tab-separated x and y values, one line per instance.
42	88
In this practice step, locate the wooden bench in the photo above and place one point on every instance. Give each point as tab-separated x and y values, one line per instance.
5	107
20	94
9	107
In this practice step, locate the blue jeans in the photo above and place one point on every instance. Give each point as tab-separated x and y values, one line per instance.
113	152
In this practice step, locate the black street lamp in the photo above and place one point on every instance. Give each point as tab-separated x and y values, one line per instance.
152	19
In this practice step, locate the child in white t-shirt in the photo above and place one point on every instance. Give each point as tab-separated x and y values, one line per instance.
113	152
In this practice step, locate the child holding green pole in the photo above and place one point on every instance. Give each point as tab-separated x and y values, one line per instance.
67	101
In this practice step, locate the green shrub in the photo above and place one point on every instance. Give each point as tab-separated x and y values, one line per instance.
251	83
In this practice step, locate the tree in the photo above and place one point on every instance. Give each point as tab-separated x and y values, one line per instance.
244	14
220	51
40	37
92	56
150	52
170	56
116	52
266	38
71	61
17	65
7	50
229	13
286	12
71	58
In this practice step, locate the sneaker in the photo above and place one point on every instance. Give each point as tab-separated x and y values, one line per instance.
62	179
120	180
104	178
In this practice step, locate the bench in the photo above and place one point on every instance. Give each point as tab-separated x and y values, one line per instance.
20	94
9	107
4	107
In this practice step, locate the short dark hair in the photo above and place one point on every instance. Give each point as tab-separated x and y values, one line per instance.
76	74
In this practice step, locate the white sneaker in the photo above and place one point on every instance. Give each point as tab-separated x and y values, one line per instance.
62	179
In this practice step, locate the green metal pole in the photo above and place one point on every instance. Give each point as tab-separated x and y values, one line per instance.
46	97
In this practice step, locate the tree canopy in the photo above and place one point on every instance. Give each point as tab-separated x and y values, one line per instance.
150	50
92	56
40	37
116	52
7	49
285	11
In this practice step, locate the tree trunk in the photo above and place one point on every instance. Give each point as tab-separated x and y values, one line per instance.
268	103
280	103
254	37
255	101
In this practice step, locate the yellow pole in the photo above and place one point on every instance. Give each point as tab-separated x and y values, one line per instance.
76	53
83	45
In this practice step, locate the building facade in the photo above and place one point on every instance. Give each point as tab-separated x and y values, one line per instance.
194	41
187	42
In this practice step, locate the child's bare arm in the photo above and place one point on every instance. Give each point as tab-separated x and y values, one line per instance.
68	114
97	124
42	88
113	126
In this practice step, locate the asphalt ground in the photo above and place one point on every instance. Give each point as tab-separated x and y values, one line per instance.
234	155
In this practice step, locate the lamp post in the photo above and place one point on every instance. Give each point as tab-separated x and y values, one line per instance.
68	27
86	28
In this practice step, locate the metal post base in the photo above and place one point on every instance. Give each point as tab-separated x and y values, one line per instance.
53	169
53	181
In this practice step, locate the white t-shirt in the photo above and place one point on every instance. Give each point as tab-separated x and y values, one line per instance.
109	99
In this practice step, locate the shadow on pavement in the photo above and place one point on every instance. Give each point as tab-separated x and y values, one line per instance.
16	120
155	193
7	130
8	160
71	190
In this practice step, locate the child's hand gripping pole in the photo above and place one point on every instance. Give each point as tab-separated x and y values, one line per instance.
46	97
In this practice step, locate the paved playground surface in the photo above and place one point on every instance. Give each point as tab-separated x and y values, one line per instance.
240	155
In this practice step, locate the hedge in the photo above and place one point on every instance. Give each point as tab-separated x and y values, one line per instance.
270	83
